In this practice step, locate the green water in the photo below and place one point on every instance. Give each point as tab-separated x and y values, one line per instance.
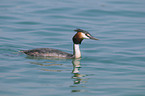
111	66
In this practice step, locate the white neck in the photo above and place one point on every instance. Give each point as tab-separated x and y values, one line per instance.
76	51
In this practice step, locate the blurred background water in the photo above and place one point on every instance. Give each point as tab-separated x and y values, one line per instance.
112	66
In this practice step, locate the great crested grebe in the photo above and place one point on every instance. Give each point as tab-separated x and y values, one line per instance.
48	52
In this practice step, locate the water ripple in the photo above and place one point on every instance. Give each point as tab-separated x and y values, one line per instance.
112	66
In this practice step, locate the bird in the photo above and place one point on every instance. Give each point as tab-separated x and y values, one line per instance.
49	52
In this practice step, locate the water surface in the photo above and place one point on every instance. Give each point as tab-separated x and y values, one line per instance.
112	66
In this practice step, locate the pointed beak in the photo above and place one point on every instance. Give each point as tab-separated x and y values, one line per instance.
93	38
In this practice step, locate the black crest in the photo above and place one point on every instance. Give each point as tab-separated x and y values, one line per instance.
80	30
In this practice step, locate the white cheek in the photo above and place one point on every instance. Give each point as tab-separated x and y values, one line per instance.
84	36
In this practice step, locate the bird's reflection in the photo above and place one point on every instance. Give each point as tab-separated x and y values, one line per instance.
75	71
77	77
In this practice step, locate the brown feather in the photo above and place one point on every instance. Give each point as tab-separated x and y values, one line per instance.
77	39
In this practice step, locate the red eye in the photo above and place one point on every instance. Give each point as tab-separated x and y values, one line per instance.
88	35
